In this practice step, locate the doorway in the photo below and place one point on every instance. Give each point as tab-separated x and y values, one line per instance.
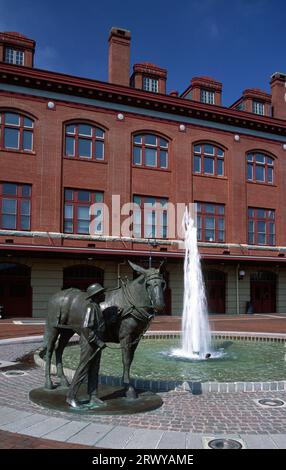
81	276
215	283
263	291
15	290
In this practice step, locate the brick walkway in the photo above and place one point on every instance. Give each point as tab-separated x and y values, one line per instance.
183	420
9	440
259	323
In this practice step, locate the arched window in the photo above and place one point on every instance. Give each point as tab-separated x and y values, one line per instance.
260	168
208	160
81	276
150	151
84	141
16	132
263	276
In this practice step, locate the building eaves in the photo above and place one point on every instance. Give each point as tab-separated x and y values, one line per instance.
78	86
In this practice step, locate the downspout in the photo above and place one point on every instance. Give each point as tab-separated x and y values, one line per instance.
237	289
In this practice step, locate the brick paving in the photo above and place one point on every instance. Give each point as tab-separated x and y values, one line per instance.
251	323
9	440
211	414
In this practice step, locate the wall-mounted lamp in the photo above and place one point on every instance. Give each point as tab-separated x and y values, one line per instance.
241	274
182	127
51	105
237	138
120	117
284	146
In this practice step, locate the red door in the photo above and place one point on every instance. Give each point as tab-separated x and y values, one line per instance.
263	292
15	290
215	290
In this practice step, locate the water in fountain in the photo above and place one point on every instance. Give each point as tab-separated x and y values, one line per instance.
196	337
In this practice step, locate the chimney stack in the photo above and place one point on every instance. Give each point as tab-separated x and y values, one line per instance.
278	95
119	56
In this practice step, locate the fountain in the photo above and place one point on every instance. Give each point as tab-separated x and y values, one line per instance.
196	336
162	365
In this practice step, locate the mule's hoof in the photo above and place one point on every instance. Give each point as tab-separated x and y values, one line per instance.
72	402
130	393
95	404
49	386
95	401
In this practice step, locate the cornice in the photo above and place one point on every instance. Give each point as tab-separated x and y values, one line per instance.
103	91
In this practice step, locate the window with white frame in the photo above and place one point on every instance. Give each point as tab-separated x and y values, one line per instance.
258	108
14	56
150	84
207	97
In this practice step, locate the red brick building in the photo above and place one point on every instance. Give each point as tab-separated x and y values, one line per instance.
68	142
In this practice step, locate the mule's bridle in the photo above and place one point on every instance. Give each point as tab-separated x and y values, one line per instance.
138	311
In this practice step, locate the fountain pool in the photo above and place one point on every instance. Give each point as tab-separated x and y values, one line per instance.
240	361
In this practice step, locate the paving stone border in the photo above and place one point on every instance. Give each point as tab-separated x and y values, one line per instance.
196	388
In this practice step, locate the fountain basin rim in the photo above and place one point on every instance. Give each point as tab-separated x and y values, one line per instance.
242	335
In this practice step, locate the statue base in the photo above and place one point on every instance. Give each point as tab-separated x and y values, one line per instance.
114	401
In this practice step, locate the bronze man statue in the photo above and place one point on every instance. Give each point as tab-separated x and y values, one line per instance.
127	310
91	345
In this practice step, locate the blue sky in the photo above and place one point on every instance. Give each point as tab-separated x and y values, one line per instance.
239	42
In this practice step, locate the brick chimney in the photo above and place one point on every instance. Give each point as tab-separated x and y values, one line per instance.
278	95
17	49
119	56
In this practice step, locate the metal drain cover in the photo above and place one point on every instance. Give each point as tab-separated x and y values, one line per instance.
224	444
14	373
271	402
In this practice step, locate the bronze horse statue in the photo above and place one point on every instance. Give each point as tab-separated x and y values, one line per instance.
127	312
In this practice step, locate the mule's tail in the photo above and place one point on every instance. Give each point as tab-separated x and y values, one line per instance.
43	348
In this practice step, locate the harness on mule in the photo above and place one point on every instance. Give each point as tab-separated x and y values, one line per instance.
139	312
136	311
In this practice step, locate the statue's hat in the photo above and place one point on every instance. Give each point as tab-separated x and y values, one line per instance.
94	289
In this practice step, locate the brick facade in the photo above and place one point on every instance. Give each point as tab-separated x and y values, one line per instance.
52	100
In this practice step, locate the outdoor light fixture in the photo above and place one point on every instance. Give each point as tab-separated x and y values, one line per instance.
237	137
51	105
241	274
120	116
284	146
182	127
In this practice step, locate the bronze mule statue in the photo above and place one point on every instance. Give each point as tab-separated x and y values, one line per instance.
127	312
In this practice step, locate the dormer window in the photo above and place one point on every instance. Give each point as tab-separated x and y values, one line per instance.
258	108
207	97
149	77
150	84
14	56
